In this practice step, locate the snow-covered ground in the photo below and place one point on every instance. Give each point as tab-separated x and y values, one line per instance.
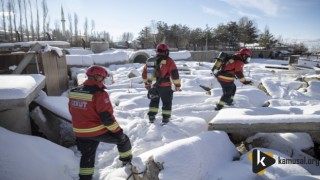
185	148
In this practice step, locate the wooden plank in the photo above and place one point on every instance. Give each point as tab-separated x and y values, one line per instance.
15	53
51	72
27	59
63	73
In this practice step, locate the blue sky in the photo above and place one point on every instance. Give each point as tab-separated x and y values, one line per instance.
294	19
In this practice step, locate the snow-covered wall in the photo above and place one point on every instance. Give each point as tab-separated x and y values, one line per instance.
109	57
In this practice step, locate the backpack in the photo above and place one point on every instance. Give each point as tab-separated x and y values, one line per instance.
221	60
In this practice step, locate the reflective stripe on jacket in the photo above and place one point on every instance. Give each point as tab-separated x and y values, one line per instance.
91	110
168	69
233	68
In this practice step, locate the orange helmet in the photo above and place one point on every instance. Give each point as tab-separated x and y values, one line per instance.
246	52
97	70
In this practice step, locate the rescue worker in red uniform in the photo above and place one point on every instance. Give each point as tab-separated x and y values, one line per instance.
93	121
158	75
233	67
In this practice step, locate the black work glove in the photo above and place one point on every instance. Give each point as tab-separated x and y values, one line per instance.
248	83
153	93
147	85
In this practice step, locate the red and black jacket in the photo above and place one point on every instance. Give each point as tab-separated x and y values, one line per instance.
91	110
231	69
165	69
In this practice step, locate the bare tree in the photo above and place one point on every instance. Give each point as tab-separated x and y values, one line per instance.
56	32
85	27
153	26
93	26
20	12
76	26
106	36
26	19
9	6
44	15
57	25
127	36
70	25
48	25
4	20
31	23
13	8
38	22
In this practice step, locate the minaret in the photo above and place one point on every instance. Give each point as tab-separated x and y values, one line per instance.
63	22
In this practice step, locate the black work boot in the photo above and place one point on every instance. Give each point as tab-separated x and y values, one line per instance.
165	119
230	103
124	163
218	107
151	119
85	177
126	160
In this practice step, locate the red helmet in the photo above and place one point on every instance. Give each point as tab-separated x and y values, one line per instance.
162	48
246	52
97	70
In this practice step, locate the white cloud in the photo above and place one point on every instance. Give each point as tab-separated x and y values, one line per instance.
214	11
268	7
252	16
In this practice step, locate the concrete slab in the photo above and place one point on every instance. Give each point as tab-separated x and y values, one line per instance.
245	122
16	93
19	90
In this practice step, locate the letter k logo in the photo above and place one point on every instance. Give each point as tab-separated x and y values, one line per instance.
261	161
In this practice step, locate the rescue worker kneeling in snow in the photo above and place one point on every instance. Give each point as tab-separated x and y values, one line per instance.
229	68
160	70
93	121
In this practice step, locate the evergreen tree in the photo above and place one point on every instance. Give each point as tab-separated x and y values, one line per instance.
232	35
145	38
220	35
162	33
266	39
195	38
247	31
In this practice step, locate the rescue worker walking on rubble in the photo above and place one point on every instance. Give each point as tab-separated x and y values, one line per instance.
226	68
93	121
158	75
